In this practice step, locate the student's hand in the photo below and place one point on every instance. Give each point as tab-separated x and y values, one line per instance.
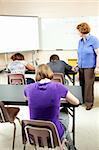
26	99
75	68
30	67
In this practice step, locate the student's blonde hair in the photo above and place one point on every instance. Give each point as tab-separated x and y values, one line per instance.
43	71
83	28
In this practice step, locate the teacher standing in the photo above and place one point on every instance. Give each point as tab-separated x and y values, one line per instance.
88	62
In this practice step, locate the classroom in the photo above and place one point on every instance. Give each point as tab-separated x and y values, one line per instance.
38	29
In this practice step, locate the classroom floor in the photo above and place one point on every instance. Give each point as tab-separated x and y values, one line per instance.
87	128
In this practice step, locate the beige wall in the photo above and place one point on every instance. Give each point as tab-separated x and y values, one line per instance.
38	56
43	56
5	58
2	61
50	8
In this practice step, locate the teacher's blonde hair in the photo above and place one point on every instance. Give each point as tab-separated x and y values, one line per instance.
43	71
83	28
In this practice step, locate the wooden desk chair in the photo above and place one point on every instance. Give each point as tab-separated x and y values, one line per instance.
8	114
58	77
16	79
41	134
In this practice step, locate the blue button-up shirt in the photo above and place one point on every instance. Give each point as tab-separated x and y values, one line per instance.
86	52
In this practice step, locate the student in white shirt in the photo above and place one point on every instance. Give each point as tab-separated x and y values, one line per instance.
19	65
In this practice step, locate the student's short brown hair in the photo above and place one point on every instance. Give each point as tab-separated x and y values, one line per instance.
43	71
54	57
17	56
83	28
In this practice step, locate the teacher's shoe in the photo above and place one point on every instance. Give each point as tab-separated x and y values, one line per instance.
89	107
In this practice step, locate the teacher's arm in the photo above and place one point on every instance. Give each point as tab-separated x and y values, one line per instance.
97	61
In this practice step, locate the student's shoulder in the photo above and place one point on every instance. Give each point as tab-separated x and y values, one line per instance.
56	84
30	86
63	62
13	63
23	62
48	63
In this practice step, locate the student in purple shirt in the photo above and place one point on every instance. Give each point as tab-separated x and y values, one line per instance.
44	99
88	62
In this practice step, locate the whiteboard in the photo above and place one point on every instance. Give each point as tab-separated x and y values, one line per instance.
18	33
24	33
61	33
58	34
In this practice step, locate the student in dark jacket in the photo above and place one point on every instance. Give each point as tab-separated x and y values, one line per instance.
58	65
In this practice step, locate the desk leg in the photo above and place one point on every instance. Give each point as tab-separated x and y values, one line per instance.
72	114
73	126
73	79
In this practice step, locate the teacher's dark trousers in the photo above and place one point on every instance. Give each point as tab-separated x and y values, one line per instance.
87	77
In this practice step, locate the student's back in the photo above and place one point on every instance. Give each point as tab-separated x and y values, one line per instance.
58	65
44	104
17	66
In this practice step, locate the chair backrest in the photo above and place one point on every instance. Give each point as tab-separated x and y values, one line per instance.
41	134
9	114
16	79
58	77
4	117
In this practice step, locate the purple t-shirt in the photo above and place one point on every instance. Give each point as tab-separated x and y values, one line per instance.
44	102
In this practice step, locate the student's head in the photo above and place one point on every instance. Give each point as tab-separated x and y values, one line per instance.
54	57
17	56
83	28
43	71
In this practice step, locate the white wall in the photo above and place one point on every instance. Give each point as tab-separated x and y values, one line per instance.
50	9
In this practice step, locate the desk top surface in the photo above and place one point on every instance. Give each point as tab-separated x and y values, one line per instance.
15	93
33	72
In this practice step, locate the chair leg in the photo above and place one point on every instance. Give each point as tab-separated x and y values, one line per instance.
24	147
18	120
14	136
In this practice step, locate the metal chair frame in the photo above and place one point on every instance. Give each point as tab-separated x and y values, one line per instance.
16	79
6	116
43	130
58	77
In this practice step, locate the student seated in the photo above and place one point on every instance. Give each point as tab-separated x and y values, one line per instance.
58	65
44	100
19	66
